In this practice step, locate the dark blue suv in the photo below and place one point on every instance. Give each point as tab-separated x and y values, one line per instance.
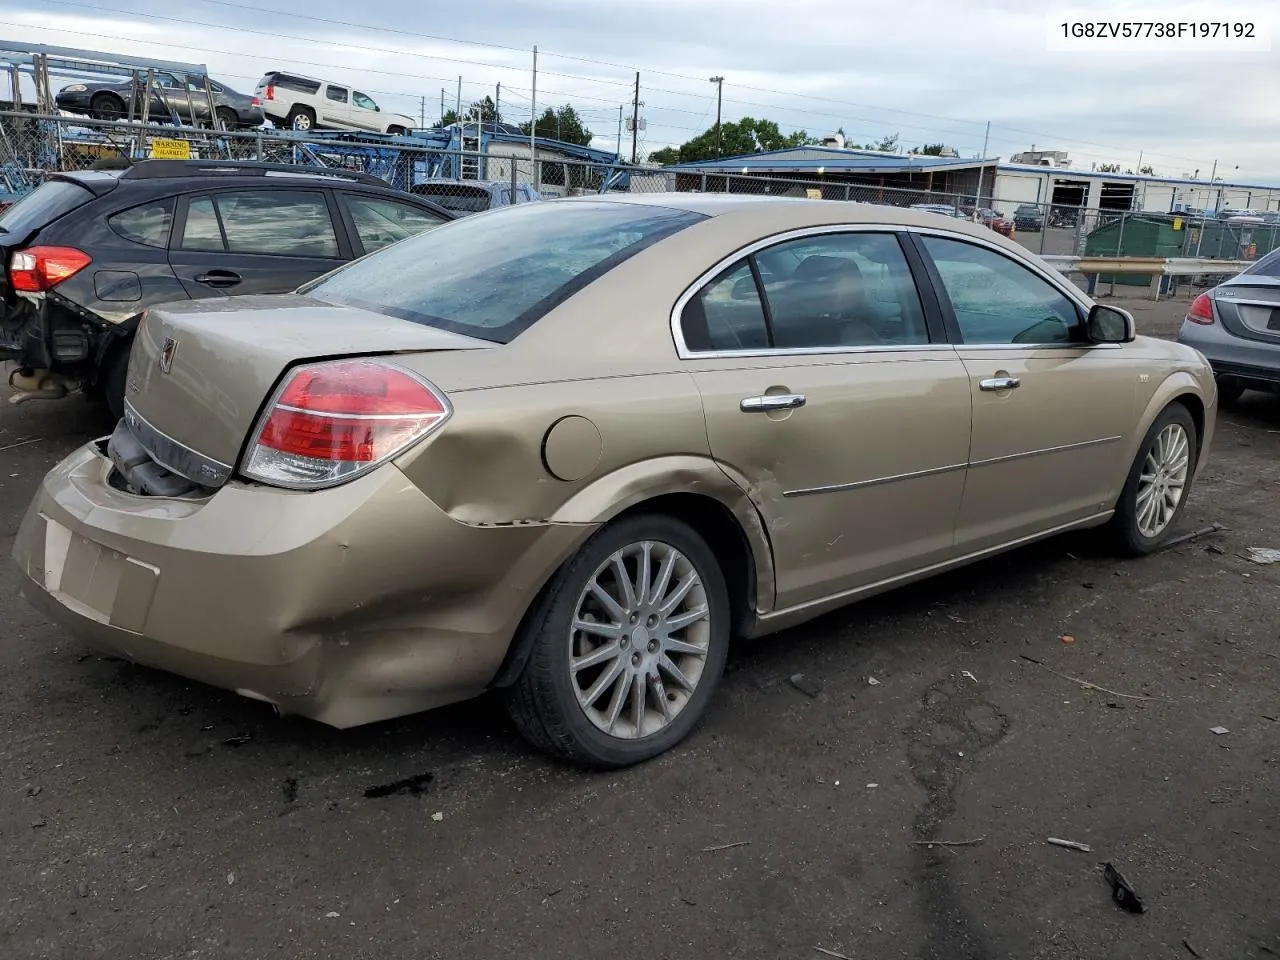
86	253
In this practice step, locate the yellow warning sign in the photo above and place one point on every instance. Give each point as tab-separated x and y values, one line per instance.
813	193
1177	223
170	149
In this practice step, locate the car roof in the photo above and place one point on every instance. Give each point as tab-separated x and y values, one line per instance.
805	211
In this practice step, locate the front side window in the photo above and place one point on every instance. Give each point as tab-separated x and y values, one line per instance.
492	277
997	300
380	222
288	223
147	224
336	94
360	100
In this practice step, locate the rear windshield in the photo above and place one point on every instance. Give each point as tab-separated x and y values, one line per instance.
455	197
494	275
1268	266
45	204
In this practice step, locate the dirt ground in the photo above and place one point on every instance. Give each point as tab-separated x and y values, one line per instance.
133	826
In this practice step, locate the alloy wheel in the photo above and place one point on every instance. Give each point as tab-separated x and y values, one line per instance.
1163	480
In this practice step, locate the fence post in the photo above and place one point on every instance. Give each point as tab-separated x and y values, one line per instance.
515	193
704	183
259	144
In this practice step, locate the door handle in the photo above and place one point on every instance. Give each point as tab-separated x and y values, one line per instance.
780	401
1000	383
219	278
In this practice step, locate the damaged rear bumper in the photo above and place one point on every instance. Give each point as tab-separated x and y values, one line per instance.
347	605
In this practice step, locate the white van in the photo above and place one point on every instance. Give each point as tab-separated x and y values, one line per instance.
305	103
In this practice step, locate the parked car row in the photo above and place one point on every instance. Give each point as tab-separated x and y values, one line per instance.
286	99
406	483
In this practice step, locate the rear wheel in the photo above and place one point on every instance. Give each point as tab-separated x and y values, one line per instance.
228	119
397	131
628	644
302	118
1158	484
1230	389
107	106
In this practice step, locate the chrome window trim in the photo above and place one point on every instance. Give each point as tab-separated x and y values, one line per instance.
174	456
1052	277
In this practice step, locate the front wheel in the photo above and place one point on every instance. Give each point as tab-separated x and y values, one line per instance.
1158	484
628	644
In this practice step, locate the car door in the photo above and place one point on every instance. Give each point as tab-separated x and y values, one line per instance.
246	240
374	222
364	114
335	106
829	394
1051	413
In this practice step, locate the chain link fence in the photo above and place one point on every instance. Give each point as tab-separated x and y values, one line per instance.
503	172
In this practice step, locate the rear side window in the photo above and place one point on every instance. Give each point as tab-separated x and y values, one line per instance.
1268	266
286	82
380	222
49	201
286	223
494	276
147	224
727	314
337	94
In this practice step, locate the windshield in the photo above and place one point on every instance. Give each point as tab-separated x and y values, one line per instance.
493	276
47	203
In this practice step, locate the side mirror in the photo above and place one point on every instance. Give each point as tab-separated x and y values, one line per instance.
1107	324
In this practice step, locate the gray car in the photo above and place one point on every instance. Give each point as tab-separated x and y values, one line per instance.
1236	325
170	94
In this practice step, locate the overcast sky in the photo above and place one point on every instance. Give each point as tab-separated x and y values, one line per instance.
929	70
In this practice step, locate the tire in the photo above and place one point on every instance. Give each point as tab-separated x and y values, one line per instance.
107	106
1127	530
544	699
301	118
112	376
1230	390
227	117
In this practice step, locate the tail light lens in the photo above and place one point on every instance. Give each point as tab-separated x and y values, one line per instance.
1201	311
38	269
271	91
329	422
256	101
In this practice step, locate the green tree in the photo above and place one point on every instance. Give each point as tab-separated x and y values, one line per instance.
930	150
484	110
747	135
563	124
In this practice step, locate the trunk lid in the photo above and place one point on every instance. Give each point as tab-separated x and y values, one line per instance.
200	372
1249	307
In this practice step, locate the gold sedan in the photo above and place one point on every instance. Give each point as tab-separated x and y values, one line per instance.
572	449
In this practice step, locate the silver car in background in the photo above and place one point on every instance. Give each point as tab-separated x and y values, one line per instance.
1236	325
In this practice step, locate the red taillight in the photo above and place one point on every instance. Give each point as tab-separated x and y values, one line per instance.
38	269
271	91
1201	311
256	101
331	421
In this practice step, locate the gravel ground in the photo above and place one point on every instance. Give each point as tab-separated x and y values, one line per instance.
130	827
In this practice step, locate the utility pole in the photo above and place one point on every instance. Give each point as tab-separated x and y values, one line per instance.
457	110
442	106
977	201
719	82
619	150
422	112
635	119
497	101
533	125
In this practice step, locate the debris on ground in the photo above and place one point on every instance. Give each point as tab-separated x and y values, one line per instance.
231	879
82	889
1219	730
290	789
412	785
872	786
832	953
1214	549
333	915
239	741
1190	949
726	846
1262	555
1194	535
1122	891
33	790
437	816
810	688
39	822
947	843
1070	844
873	681
1068	638
1085	683
968	676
